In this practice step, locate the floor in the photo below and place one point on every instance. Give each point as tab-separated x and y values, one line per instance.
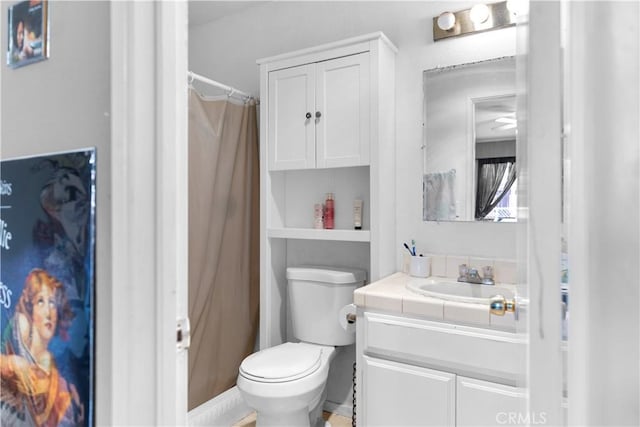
335	420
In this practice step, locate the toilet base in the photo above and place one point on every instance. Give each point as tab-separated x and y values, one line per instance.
295	403
315	415
322	423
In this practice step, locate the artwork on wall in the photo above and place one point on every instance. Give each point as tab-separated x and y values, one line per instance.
28	33
47	276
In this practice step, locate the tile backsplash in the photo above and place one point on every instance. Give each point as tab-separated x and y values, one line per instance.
504	270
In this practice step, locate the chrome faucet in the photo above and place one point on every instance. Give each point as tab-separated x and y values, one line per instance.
471	275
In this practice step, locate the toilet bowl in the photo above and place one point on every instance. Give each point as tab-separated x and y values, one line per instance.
286	384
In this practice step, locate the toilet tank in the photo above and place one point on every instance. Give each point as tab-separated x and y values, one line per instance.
316	296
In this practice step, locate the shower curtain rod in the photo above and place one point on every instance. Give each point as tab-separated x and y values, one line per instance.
231	90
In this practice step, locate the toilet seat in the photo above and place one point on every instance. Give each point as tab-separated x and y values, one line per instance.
282	363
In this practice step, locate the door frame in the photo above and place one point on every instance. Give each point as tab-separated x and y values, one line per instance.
602	106
149	60
540	231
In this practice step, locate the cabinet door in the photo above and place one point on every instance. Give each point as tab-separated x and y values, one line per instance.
342	99
395	394
482	403
291	134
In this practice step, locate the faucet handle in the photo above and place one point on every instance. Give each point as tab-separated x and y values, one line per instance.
487	275
462	270
487	272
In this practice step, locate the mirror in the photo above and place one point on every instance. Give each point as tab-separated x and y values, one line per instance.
470	142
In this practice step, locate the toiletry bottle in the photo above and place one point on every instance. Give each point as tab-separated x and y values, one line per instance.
329	212
357	214
317	216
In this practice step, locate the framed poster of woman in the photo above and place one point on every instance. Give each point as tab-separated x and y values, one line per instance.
47	275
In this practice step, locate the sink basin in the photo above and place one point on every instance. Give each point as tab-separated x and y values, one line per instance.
458	291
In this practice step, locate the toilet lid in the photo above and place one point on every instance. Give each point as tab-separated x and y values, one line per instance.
285	362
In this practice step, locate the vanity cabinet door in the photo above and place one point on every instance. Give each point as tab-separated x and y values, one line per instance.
396	394
342	102
291	118
482	403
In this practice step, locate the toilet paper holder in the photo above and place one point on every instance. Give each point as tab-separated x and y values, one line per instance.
347	318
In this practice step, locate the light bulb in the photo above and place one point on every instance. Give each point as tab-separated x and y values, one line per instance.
446	21
479	13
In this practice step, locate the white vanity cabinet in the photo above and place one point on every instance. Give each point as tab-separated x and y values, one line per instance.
319	114
398	394
327	125
484	403
416	372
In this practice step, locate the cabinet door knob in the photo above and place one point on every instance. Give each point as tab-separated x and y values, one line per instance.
308	115
318	114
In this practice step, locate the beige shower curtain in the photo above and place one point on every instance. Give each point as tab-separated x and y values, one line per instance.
223	242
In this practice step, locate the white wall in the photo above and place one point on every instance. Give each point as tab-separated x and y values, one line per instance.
63	103
227	49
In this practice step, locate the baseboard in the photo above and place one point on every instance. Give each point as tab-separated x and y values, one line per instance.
337	408
221	411
228	407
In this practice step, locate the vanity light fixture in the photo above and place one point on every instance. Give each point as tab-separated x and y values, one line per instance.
479	13
446	21
481	17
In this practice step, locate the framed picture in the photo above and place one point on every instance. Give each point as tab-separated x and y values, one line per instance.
28	33
47	278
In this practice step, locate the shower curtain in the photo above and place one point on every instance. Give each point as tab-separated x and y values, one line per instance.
223	242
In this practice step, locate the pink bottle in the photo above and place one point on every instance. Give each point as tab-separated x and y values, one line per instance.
328	212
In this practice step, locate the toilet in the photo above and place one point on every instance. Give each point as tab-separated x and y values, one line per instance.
285	384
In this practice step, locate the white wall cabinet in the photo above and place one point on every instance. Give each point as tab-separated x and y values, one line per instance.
319	114
292	138
431	383
348	150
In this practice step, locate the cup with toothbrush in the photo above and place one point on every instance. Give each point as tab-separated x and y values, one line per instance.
419	265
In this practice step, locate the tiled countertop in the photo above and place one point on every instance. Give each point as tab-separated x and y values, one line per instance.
391	295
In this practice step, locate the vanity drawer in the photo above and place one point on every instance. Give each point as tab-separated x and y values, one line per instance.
475	352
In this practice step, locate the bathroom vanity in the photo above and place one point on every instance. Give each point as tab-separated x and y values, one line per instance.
429	361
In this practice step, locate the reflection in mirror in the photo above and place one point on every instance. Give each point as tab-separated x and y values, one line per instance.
495	158
470	142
